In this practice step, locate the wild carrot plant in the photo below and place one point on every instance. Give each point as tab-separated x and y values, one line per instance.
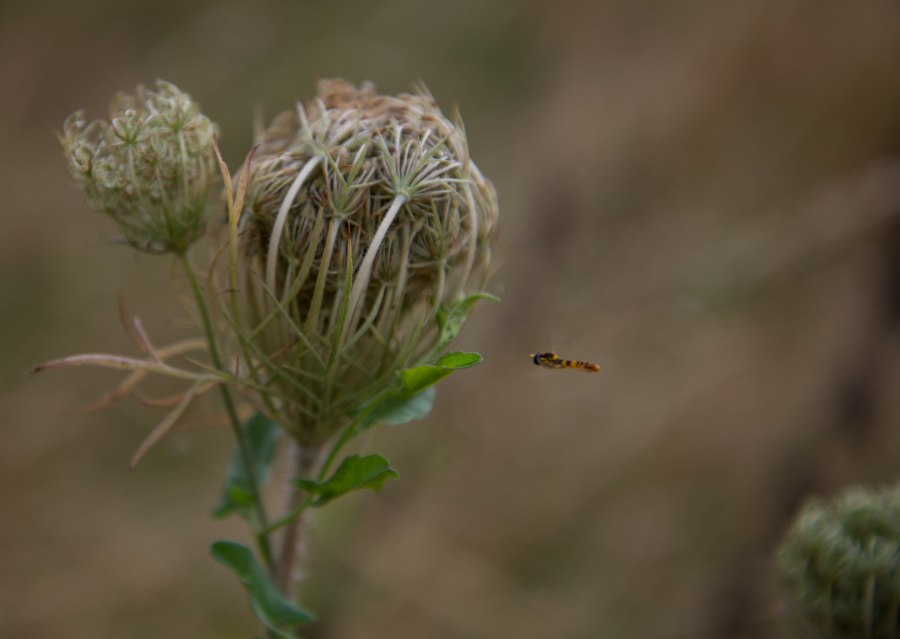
358	240
841	559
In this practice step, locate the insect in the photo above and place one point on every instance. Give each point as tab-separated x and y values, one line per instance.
552	360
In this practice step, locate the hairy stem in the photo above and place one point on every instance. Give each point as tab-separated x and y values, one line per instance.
290	568
262	539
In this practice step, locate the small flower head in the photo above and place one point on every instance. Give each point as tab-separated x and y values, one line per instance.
366	224
150	166
842	560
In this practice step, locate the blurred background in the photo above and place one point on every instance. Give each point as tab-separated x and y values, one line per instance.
703	197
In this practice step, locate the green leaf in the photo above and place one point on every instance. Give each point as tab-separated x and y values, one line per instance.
394	411
421	377
354	473
417	379
450	321
458	359
239	496
262	435
266	601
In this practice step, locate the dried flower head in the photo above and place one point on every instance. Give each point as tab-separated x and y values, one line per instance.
367	226
842	559
150	167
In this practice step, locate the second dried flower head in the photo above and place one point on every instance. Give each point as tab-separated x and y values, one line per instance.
150	166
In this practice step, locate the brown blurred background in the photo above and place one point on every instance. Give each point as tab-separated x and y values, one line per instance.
702	196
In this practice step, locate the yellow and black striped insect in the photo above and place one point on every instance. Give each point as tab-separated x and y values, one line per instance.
552	360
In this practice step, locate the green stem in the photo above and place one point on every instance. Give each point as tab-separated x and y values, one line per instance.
290	516
348	432
243	445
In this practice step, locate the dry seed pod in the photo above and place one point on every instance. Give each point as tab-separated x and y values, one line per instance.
150	166
842	561
365	222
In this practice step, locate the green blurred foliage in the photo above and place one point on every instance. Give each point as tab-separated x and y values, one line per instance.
841	559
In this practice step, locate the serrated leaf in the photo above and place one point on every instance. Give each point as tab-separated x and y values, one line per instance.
450	321
266	601
354	473
262	436
417	379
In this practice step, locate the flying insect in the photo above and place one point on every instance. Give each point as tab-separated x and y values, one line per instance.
552	360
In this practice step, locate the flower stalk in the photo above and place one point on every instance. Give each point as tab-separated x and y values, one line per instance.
262	525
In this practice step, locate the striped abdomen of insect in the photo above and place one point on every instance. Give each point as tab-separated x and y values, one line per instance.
552	360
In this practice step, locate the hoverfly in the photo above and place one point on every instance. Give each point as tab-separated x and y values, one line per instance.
552	360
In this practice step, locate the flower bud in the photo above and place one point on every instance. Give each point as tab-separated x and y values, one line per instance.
366	222
842	560
150	167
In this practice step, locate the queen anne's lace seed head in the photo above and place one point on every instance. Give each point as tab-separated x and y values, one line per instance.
150	166
842	559
377	191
